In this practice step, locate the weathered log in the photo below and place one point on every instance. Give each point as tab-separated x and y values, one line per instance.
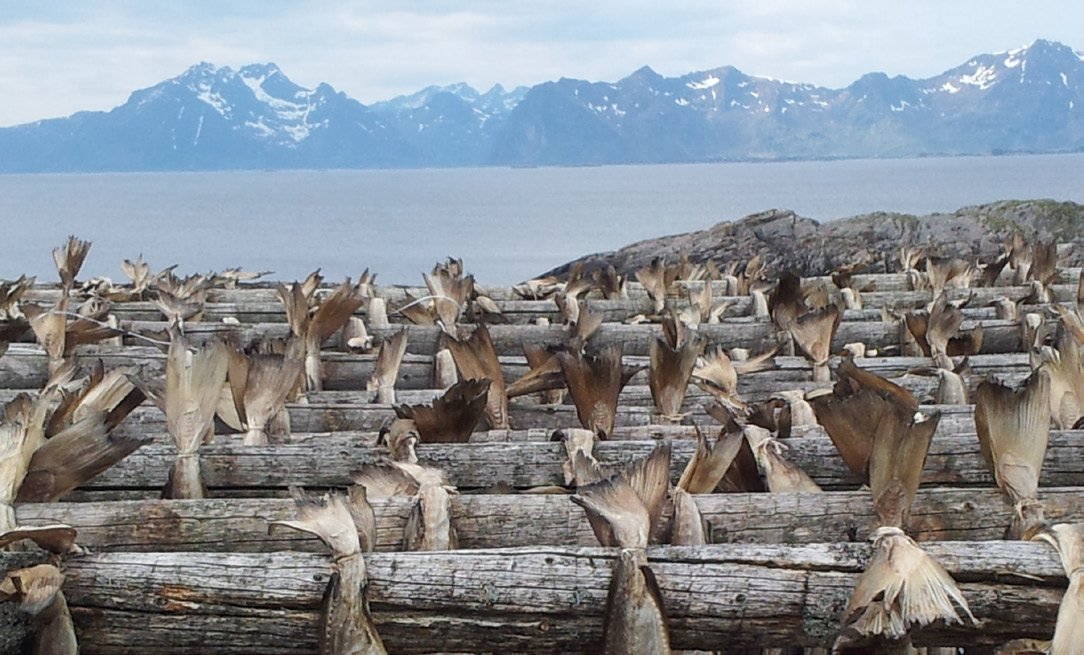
526	414
533	600
352	409
351	370
753	388
524	312
24	367
954	460
955	419
508	521
999	336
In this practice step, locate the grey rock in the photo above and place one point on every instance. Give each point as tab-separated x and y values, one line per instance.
786	241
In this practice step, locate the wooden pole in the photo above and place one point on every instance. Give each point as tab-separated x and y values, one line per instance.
533	600
954	460
508	521
23	367
999	337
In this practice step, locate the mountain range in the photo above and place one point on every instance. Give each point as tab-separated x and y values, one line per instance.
1026	100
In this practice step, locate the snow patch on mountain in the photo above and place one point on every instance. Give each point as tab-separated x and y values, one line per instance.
291	116
206	94
707	83
983	77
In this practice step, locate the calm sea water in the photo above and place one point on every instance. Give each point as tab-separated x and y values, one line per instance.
507	224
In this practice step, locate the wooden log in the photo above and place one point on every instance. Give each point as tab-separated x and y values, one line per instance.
524	415
348	409
956	419
524	312
508	521
753	388
635	409
533	600
954	460
999	336
25	367
633	395
414	386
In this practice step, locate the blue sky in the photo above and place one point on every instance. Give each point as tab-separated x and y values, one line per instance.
58	57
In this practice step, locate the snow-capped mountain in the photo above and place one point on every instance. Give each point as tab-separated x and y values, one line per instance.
450	125
1028	99
494	102
1023	100
212	118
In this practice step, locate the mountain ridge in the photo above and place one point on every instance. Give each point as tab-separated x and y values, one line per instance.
1029	99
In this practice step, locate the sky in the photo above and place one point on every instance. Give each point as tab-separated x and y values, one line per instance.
58	56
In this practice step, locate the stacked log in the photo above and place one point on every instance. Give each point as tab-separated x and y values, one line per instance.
182	575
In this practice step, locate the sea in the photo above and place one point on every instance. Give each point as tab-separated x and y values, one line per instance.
507	224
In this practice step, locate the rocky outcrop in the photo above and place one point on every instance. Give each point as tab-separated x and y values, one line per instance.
786	241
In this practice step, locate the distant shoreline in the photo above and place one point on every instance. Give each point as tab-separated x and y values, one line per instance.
751	160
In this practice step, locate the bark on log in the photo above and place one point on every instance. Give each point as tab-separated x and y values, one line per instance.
524	414
952	422
524	312
25	367
954	460
635	409
955	419
17	627
637	394
509	521
415	388
999	337
533	600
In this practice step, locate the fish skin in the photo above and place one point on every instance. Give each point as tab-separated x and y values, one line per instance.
635	615
1068	540
687	525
